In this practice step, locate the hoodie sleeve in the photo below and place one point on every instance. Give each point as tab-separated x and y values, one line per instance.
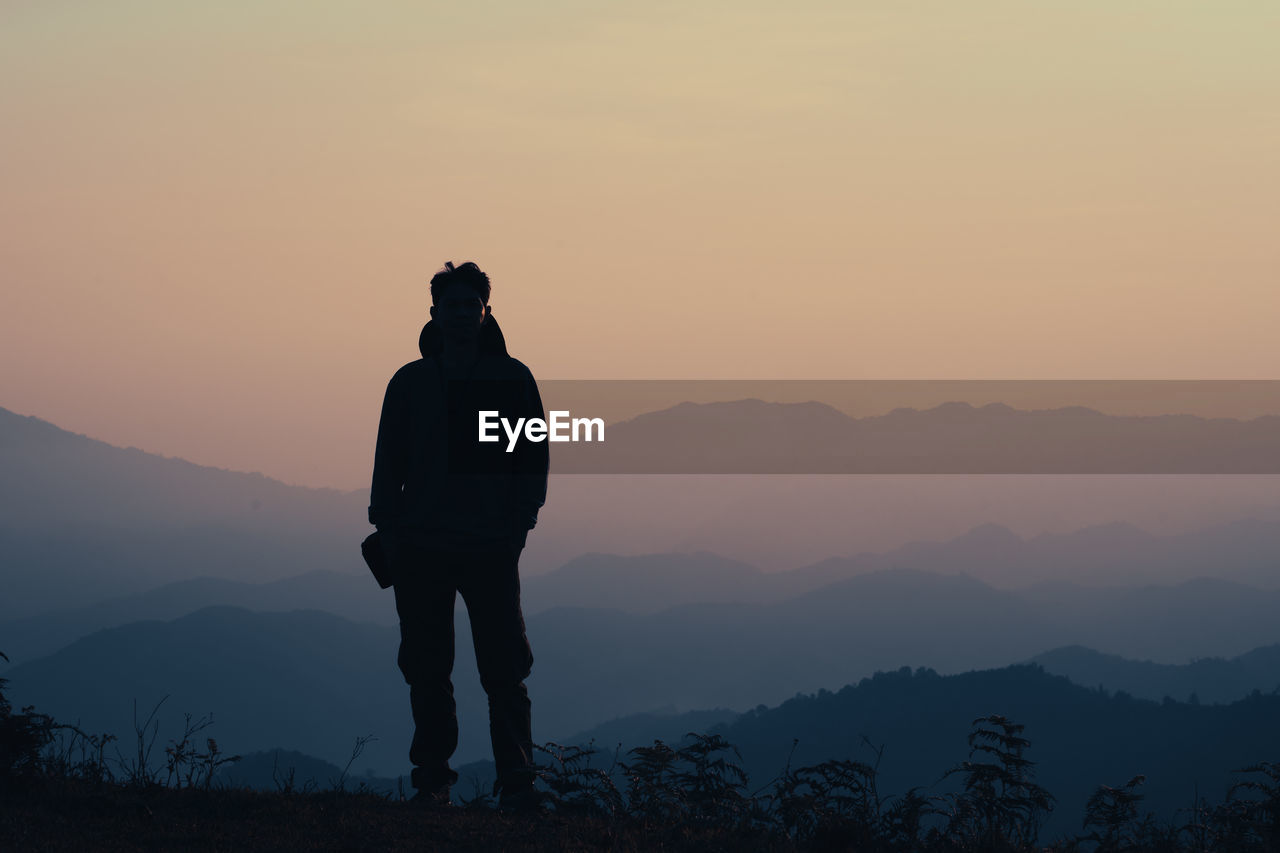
534	459
391	457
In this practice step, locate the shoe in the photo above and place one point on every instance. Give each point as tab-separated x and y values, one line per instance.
522	800
432	798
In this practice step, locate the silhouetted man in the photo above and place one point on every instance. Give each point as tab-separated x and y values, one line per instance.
454	513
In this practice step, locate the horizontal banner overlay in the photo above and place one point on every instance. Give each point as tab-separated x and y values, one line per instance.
891	427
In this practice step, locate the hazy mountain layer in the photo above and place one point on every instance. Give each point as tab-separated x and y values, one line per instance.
1207	680
322	680
1109	555
1080	738
913	727
84	522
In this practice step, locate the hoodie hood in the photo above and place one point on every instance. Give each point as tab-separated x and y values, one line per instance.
430	341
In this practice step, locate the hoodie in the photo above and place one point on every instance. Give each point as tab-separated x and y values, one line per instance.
432	478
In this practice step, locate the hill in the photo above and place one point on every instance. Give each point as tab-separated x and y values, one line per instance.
1119	557
312	681
82	521
1206	680
1080	738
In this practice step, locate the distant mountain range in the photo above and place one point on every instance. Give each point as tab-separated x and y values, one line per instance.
305	681
351	596
733	655
324	680
754	436
1080	738
912	727
110	558
1206	680
1244	551
1113	555
1110	555
82	522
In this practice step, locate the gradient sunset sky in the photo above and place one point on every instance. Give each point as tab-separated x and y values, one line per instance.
217	221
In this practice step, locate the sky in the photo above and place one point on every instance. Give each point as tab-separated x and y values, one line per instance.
218	221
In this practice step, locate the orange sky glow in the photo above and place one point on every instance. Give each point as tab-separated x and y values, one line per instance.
217	222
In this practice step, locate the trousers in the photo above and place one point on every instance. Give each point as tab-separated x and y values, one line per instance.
487	576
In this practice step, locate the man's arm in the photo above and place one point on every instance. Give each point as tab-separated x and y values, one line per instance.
533	461
391	457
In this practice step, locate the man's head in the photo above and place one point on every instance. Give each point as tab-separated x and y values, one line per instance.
460	299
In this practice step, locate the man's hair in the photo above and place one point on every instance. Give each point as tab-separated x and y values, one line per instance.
467	274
